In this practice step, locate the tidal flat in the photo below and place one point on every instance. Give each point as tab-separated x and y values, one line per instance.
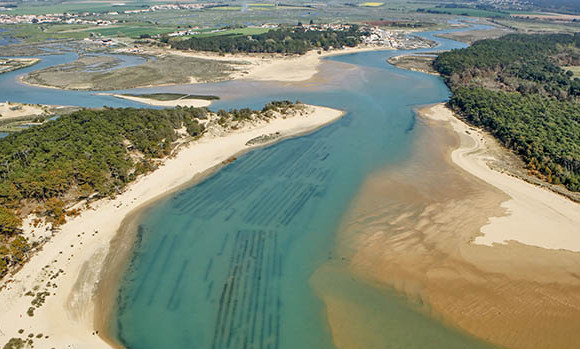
412	229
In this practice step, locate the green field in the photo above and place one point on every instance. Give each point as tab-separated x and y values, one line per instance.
37	33
471	12
263	5
530	13
538	26
132	30
257	7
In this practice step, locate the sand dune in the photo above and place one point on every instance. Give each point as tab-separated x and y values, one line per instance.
10	110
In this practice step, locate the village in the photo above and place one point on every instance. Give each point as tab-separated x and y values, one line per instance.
88	17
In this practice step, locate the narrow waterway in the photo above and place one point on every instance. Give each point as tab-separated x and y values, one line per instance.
229	262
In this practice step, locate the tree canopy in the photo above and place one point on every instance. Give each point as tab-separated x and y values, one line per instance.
517	87
91	153
285	40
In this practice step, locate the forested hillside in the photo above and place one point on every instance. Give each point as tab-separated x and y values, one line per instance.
517	87
92	153
286	40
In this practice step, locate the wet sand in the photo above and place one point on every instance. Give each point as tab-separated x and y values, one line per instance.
412	229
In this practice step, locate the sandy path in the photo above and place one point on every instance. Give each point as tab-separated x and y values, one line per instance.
79	249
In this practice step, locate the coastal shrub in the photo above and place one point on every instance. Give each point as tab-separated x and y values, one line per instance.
14	343
194	128
9	221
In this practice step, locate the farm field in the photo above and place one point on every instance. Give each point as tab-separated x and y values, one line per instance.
537	26
470	12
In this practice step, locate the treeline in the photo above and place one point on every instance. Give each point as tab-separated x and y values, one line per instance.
89	153
516	88
572	6
529	64
294	40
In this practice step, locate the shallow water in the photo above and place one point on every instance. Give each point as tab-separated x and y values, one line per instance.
11	89
229	262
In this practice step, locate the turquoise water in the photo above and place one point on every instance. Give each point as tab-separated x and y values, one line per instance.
228	262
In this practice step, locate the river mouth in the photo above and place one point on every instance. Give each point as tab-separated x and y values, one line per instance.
230	261
251	256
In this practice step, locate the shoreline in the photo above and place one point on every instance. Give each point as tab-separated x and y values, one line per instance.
22	110
412	228
70	312
506	155
532	210
30	62
298	68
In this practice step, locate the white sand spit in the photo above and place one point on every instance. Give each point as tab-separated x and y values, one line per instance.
182	102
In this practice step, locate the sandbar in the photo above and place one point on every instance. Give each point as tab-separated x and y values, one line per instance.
181	102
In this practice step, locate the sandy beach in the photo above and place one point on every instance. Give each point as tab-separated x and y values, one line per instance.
485	253
182	102
536	216
297	68
65	273
10	110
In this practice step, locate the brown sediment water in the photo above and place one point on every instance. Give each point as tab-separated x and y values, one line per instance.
410	229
